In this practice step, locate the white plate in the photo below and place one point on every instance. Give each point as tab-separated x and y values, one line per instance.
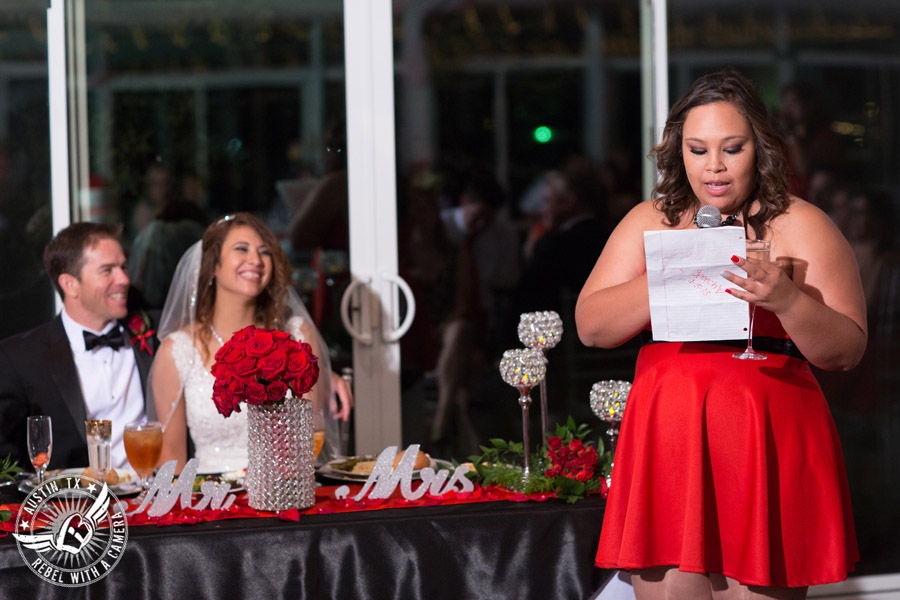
235	478
129	482
327	470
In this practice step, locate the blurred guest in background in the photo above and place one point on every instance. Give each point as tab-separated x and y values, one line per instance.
157	249
24	230
486	267
156	193
562	258
811	143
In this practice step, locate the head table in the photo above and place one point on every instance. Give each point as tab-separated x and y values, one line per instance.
494	546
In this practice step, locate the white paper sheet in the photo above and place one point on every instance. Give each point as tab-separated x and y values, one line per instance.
688	301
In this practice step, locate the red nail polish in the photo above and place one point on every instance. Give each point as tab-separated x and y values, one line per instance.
734	258
727	291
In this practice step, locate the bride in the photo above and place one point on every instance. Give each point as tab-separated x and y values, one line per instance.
236	276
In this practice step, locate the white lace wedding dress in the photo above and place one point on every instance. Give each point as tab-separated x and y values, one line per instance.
220	443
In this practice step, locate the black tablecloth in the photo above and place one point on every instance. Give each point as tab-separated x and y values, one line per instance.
516	550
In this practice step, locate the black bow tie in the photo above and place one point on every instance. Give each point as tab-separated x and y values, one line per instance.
113	338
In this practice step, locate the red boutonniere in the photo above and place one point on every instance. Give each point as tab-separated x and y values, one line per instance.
139	325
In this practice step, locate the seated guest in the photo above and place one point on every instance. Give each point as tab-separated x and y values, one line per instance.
158	248
87	363
237	276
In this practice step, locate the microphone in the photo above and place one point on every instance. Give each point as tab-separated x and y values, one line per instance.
708	216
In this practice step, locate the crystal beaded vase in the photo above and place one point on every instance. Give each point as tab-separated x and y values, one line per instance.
280	473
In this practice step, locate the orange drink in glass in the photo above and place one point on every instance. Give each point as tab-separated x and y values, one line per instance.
318	430
143	445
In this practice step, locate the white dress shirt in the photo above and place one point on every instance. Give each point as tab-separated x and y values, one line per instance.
110	384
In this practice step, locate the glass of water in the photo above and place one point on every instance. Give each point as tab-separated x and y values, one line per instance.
99	433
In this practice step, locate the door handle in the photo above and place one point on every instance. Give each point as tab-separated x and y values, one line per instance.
361	331
390	336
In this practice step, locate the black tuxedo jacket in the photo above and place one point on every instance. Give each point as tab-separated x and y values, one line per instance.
38	377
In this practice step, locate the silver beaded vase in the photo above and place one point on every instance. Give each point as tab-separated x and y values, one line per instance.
280	472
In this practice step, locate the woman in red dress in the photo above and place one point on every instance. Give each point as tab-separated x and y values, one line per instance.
729	480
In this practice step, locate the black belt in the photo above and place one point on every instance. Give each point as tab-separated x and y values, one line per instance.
762	343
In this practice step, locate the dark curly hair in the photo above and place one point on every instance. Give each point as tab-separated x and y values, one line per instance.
674	194
270	302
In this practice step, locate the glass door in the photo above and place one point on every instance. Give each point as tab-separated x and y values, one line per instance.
179	116
26	297
498	107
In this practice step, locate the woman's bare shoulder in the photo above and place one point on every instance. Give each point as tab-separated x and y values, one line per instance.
645	216
802	218
799	207
805	232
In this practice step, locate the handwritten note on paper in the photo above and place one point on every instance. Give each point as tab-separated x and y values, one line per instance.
688	301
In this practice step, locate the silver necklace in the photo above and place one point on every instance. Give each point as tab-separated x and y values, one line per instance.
216	335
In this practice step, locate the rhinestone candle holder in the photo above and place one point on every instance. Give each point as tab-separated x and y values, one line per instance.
280	471
523	368
541	330
608	403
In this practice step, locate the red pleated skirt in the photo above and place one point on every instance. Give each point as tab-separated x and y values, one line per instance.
728	466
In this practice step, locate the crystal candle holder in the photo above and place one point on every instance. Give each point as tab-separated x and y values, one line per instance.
541	330
523	368
608	400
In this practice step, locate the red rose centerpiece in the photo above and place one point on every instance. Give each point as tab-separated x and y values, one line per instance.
258	366
576	468
271	372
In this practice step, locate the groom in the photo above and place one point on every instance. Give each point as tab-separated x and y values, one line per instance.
89	362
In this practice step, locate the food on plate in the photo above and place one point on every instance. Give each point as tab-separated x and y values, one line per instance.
235	482
111	478
422	460
363	467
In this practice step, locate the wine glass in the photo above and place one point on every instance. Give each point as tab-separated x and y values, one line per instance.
758	249
40	443
99	435
523	368
143	445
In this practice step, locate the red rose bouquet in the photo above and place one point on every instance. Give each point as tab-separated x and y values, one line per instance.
573	460
259	366
576	467
568	466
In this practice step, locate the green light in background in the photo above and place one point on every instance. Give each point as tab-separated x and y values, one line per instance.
542	134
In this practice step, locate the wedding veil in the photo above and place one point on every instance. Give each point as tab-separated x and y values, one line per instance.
180	314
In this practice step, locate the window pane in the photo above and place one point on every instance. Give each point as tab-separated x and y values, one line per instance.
491	99
26	297
204	109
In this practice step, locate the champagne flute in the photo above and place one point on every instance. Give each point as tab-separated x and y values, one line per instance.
758	249
99	434
40	443
143	445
